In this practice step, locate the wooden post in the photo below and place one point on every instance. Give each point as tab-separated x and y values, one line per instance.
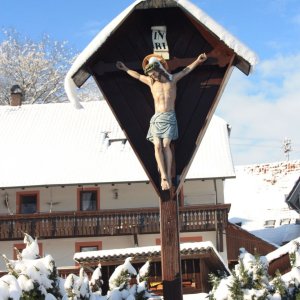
170	245
170	248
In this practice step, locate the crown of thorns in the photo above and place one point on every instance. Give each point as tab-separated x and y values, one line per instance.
150	67
155	65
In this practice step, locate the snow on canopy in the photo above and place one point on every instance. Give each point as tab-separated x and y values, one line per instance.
231	41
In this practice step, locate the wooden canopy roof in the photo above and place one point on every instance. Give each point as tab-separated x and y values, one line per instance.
131	101
293	198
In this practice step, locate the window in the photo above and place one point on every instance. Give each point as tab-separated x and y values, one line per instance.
88	246
27	202
285	221
88	199
269	223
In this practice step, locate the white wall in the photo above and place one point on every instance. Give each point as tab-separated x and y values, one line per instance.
62	250
135	195
65	198
203	192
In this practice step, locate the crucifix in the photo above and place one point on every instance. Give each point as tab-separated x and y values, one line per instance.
197	96
162	131
163	124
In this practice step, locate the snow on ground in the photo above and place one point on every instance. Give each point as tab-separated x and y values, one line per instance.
200	296
257	195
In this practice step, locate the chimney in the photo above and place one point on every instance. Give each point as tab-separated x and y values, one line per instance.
16	95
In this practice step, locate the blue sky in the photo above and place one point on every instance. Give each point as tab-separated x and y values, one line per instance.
263	108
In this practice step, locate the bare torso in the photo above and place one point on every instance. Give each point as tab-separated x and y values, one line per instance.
164	95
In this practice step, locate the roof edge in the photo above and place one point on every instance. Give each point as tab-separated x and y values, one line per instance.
232	42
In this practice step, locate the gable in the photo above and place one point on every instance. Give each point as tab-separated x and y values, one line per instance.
198	94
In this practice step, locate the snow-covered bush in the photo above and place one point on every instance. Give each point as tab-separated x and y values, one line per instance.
250	280
34	277
126	283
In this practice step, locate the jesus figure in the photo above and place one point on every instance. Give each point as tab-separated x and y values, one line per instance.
163	125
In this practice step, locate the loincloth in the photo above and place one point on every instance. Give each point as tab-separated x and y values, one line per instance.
163	125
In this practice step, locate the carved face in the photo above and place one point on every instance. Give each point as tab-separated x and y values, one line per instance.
155	75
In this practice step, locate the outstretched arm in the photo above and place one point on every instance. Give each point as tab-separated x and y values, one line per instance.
121	66
200	59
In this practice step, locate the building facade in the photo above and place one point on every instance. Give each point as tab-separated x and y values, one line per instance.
73	181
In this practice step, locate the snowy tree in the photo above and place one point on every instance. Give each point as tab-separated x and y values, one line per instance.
250	280
294	254
126	284
31	277
39	68
77	287
279	286
96	281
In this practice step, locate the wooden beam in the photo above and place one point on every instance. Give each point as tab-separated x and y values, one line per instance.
80	77
216	43
170	245
215	57
170	248
219	232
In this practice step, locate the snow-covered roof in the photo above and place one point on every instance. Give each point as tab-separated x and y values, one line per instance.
257	197
278	235
145	252
55	144
232	42
283	250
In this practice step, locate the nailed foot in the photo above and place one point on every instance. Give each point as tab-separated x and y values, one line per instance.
165	184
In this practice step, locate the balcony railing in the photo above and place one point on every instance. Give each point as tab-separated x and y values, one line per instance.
109	222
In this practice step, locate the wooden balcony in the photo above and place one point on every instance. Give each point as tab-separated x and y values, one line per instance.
109	222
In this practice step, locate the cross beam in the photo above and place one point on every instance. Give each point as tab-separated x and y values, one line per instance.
214	58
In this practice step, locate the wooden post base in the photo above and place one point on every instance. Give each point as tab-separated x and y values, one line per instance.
172	289
170	248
